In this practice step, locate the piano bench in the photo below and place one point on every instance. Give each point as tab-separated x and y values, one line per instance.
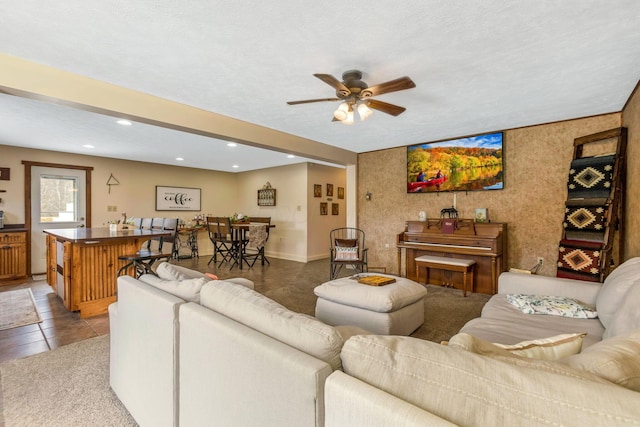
465	266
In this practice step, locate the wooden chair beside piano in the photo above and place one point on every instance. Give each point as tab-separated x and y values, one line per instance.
484	243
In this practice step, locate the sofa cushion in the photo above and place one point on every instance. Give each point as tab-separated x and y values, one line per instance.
469	389
252	309
552	348
627	317
188	289
169	271
614	289
505	324
615	359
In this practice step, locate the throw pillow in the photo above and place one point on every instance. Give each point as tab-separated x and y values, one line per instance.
614	359
346	254
347	243
553	348
551	305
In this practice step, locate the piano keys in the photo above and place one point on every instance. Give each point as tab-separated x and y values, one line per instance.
483	242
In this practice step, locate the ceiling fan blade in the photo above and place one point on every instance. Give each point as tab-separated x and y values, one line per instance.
334	83
385	107
391	86
306	101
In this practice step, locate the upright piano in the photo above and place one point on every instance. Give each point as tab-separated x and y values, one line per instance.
483	242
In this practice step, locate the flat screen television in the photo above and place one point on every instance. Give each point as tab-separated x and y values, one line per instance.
464	164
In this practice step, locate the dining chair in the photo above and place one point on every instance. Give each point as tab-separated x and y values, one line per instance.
257	240
171	224
222	237
347	248
152	250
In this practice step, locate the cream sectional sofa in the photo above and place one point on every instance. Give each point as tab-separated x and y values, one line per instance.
187	350
233	357
472	382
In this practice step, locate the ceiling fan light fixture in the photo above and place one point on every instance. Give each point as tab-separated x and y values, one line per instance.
349	119
341	112
364	112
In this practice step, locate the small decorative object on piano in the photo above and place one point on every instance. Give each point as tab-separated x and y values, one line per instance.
376	280
448	226
481	214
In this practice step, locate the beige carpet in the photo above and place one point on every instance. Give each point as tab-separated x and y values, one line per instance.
68	386
17	308
445	309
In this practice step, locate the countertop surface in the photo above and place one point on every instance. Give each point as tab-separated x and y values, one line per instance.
13	228
103	233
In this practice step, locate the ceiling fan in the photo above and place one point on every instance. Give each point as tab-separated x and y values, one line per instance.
357	95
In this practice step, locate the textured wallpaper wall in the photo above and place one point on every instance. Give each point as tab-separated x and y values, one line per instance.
537	162
631	120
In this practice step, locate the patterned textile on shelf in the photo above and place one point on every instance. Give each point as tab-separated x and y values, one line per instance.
579	260
585	218
591	177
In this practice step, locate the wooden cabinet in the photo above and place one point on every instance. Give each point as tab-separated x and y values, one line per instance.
83	264
13	256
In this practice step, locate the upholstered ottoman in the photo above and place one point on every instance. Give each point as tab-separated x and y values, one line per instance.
393	309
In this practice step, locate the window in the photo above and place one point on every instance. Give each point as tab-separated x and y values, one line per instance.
58	198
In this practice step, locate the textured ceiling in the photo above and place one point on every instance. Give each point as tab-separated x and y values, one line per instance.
478	66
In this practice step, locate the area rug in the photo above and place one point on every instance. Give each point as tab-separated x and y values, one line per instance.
67	386
17	308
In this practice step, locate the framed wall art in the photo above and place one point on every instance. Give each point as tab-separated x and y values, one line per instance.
324	207
5	174
335	209
340	192
267	197
329	190
317	190
177	198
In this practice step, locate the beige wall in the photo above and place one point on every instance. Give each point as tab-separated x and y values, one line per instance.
631	120
289	238
532	202
300	233
136	193
320	225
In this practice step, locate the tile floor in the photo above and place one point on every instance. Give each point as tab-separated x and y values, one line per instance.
58	327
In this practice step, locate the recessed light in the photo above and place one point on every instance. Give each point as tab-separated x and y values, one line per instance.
88	146
290	156
232	144
235	166
124	122
179	159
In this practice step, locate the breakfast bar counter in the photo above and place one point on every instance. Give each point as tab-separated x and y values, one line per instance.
82	264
